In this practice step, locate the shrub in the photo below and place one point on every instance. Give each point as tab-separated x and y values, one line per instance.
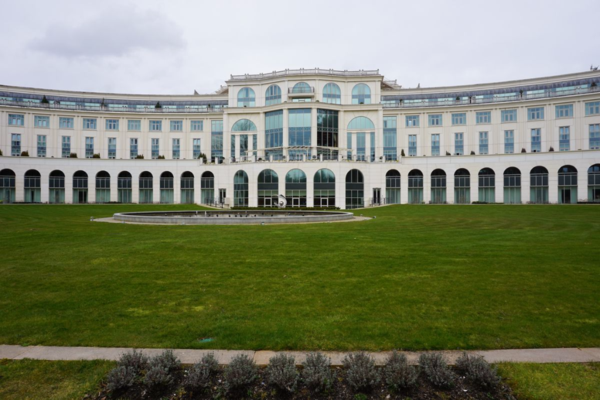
523	150
73	155
200	373
96	155
436	369
317	373
402	152
166	360
158	377
1	153
136	360
361	373
160	157
24	154
398	374
282	373
478	371
472	153
240	373
120	378
139	157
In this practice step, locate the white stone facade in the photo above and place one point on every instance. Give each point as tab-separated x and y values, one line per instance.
577	91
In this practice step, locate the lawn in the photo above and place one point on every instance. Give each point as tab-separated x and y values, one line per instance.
50	380
553	381
416	277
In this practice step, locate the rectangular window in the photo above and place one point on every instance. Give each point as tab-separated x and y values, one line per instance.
390	148
412	120
112	148
42	121
594	136
176	149
15	148
155	126
509	115
484	117
16	119
197	126
536	140
299	133
176	126
155	148
564	111
459	144
66	147
66	123
41	146
564	137
327	132
134	125
459	119
112	124
89	123
216	139
133	148
361	144
435	119
435	144
89	147
536	113
483	143
509	142
196	148
412	145
592	108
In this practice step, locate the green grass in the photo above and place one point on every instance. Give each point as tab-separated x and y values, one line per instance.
553	381
417	277
55	380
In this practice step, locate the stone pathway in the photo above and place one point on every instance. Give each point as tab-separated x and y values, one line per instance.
560	355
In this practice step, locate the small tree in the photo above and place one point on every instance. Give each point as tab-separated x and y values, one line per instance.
44	100
158	105
402	153
523	150
203	157
472	153
0	152
551	148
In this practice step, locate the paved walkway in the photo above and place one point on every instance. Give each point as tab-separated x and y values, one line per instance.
564	355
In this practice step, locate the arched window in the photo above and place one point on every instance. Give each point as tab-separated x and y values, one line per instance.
438	187
361	94
415	187
7	186
33	191
295	188
361	124
301	87
512	186
324	188
207	188
240	189
392	187
567	185
246	98
462	186
102	187
244	125
187	188
268	188
358	130
594	183
538	183
124	187
273	95
487	185
166	188
332	94
355	189
80	187
146	187
57	187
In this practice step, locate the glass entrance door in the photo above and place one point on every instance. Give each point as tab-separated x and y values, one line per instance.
324	202
222	196
377	196
268	202
295	202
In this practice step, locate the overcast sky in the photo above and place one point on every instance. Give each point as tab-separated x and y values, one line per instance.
168	46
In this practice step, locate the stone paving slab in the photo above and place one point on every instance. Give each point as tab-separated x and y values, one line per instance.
224	357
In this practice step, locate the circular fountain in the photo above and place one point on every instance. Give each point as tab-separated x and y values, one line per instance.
231	217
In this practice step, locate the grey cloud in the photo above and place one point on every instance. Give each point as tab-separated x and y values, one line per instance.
113	34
